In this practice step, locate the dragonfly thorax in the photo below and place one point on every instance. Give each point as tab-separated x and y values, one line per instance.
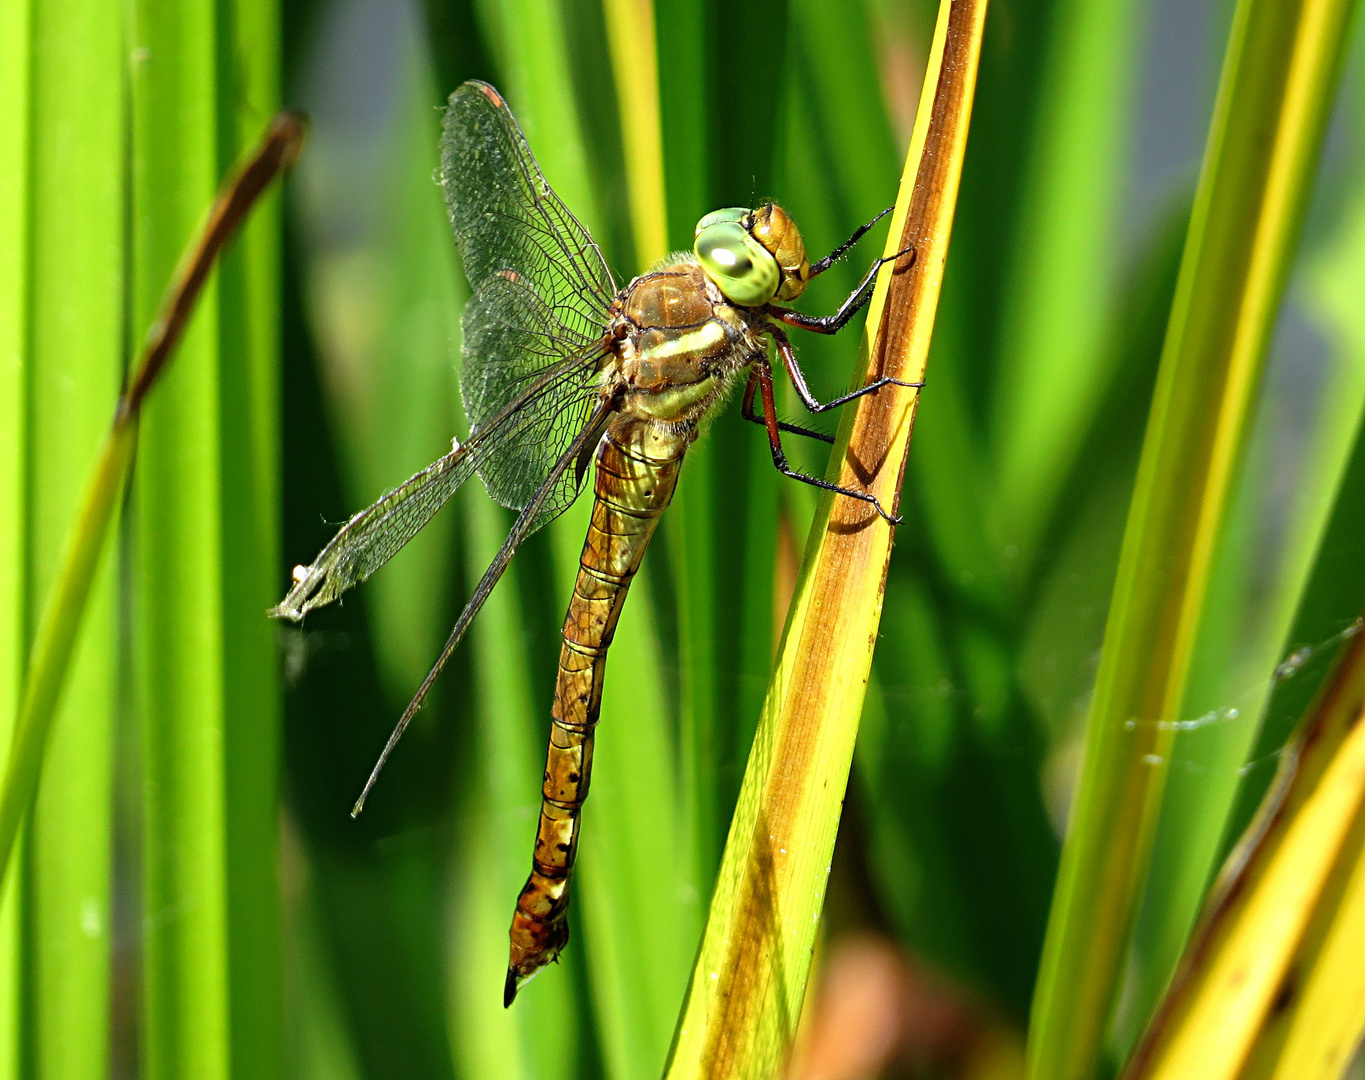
679	344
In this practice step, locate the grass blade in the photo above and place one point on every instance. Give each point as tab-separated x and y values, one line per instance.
248	66
1062	286
1237	972
1277	82
205	535
749	980
1313	1034
1245	628
73	357
56	636
69	368
16	196
683	106
630	31
1336	590
61	618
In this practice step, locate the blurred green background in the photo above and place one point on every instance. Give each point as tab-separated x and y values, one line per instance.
193	898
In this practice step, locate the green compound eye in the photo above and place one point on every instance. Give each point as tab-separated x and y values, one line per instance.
744	269
715	217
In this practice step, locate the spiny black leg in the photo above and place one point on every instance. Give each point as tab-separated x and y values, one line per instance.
832	324
792	429
765	383
798	378
746	411
818	268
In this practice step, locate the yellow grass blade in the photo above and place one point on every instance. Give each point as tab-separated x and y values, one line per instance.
749	981
1316	1025
1272	983
634	62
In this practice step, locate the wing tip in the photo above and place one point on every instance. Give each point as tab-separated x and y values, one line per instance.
284	610
295	604
487	90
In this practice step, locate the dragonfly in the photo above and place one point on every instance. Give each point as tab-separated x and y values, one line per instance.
563	371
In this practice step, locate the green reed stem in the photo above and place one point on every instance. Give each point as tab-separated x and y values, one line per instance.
61	619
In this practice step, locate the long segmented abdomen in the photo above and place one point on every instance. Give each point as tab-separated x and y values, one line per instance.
633	487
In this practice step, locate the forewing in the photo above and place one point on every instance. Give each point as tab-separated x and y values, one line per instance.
541	291
505	216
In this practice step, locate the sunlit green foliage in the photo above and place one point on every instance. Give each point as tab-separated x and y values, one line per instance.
147	926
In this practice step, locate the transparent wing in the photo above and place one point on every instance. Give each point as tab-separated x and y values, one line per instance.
542	291
533	347
521	529
373	536
516	341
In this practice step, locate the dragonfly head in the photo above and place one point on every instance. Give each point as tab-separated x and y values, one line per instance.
753	256
773	227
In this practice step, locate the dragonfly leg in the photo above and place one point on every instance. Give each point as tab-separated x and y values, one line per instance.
798	378
746	411
818	268
853	303
764	372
